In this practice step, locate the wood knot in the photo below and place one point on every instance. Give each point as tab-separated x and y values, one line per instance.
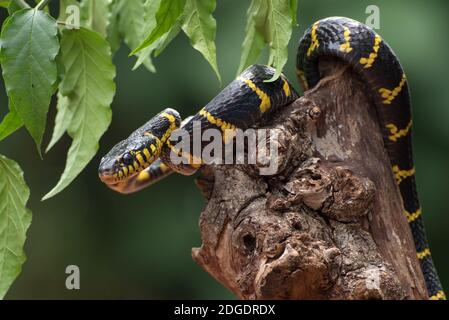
336	192
315	113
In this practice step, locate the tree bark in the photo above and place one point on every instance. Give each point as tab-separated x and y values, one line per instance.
329	224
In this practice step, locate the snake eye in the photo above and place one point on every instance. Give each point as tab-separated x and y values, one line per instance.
127	159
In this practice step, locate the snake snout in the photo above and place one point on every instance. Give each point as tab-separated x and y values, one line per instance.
106	170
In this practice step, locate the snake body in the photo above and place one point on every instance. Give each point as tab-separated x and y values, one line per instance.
144	157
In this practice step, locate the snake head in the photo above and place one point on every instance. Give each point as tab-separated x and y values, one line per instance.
140	149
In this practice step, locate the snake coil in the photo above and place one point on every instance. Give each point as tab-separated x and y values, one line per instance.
144	157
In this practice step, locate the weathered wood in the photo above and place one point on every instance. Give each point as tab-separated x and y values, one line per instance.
329	224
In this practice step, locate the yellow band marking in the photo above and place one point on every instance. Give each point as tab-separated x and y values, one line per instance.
265	102
228	129
314	44
438	296
402	174
143	176
172	127
167	133
120	174
153	148
397	133
346	47
158	141
389	95
125	171
130	169
159	144
164	168
149	134
140	159
302	79
171	118
286	88
147	154
368	62
425	253
412	216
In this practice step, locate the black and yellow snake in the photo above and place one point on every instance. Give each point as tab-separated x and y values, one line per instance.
144	157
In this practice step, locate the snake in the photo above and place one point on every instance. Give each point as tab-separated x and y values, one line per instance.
144	157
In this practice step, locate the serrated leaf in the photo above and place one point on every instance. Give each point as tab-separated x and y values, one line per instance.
64	113
280	22
144	57
200	26
29	46
254	41
15	219
89	86
133	25
168	13
269	22
151	8
10	123
158	46
62	121
96	15
167	38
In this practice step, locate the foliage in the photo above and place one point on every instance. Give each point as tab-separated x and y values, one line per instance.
15	219
70	57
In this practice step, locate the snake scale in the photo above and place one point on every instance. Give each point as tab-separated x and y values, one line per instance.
144	157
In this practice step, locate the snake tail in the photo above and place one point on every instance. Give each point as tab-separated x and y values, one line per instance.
376	64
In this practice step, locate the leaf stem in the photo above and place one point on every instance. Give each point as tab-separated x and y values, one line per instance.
41	5
22	4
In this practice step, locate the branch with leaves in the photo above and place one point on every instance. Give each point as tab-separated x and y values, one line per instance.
70	56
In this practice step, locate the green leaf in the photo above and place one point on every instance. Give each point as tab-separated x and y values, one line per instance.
294	10
89	87
168	13
200	26
151	8
63	119
254	41
279	30
144	57
165	40
64	113
133	25
11	122
13	7
114	37
269	22
96	15
15	219
5	3
29	46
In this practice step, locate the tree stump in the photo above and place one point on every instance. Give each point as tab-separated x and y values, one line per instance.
329	224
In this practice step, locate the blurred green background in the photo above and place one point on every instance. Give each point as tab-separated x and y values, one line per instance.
138	246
